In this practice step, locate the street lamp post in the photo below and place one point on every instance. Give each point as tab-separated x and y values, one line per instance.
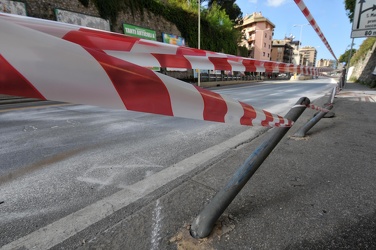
300	37
348	62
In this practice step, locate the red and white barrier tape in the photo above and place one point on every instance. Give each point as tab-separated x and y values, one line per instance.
40	65
311	106
314	25
155	54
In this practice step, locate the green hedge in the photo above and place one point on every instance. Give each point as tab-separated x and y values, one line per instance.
212	38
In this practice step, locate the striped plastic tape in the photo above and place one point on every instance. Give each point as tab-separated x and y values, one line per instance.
150	53
40	65
314	24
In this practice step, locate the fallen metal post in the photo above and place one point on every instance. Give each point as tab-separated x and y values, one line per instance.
205	221
306	127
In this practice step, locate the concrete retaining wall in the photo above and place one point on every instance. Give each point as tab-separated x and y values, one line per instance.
363	70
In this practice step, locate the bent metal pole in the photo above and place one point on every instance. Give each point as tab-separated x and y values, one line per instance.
302	131
204	222
306	127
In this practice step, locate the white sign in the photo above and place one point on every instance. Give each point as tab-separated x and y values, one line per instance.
13	7
66	16
364	23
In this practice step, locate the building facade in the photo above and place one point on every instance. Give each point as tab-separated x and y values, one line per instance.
282	51
258	36
308	56
326	63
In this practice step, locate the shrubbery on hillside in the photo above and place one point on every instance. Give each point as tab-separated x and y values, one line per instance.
217	32
363	50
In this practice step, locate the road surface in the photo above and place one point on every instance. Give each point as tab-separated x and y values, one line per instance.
59	160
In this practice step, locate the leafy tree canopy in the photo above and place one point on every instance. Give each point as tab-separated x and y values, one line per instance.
350	8
229	6
345	56
217	17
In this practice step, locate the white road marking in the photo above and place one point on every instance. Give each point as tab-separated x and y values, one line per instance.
66	227
156	226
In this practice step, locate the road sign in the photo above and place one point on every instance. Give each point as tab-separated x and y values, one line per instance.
364	23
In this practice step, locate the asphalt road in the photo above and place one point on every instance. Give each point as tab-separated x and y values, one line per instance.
59	160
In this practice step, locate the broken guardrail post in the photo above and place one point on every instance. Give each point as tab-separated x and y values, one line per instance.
332	95
306	127
342	79
343	76
205	221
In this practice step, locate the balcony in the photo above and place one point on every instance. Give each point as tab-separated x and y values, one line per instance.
251	38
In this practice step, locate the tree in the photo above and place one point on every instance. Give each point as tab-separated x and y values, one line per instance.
230	7
234	12
350	8
217	17
345	56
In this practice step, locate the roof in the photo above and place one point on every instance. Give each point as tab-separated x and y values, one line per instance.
254	18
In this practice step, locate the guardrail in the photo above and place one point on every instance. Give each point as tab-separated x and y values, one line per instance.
220	77
342	79
204	222
323	113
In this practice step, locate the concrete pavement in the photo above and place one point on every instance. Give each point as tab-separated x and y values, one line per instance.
311	193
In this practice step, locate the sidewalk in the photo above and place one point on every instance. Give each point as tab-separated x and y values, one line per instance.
314	193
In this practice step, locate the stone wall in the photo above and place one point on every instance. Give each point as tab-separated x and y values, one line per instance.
45	9
364	68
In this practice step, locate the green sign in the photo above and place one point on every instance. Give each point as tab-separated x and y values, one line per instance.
137	31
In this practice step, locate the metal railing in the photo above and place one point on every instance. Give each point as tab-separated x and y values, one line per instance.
205	221
302	131
218	77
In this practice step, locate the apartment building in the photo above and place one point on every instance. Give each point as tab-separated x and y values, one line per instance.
258	35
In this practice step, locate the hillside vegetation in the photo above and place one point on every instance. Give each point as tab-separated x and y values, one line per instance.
217	32
363	50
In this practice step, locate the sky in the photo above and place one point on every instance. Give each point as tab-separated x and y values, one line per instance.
330	15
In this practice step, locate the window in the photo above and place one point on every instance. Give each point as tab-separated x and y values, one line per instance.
264	45
266	35
263	53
